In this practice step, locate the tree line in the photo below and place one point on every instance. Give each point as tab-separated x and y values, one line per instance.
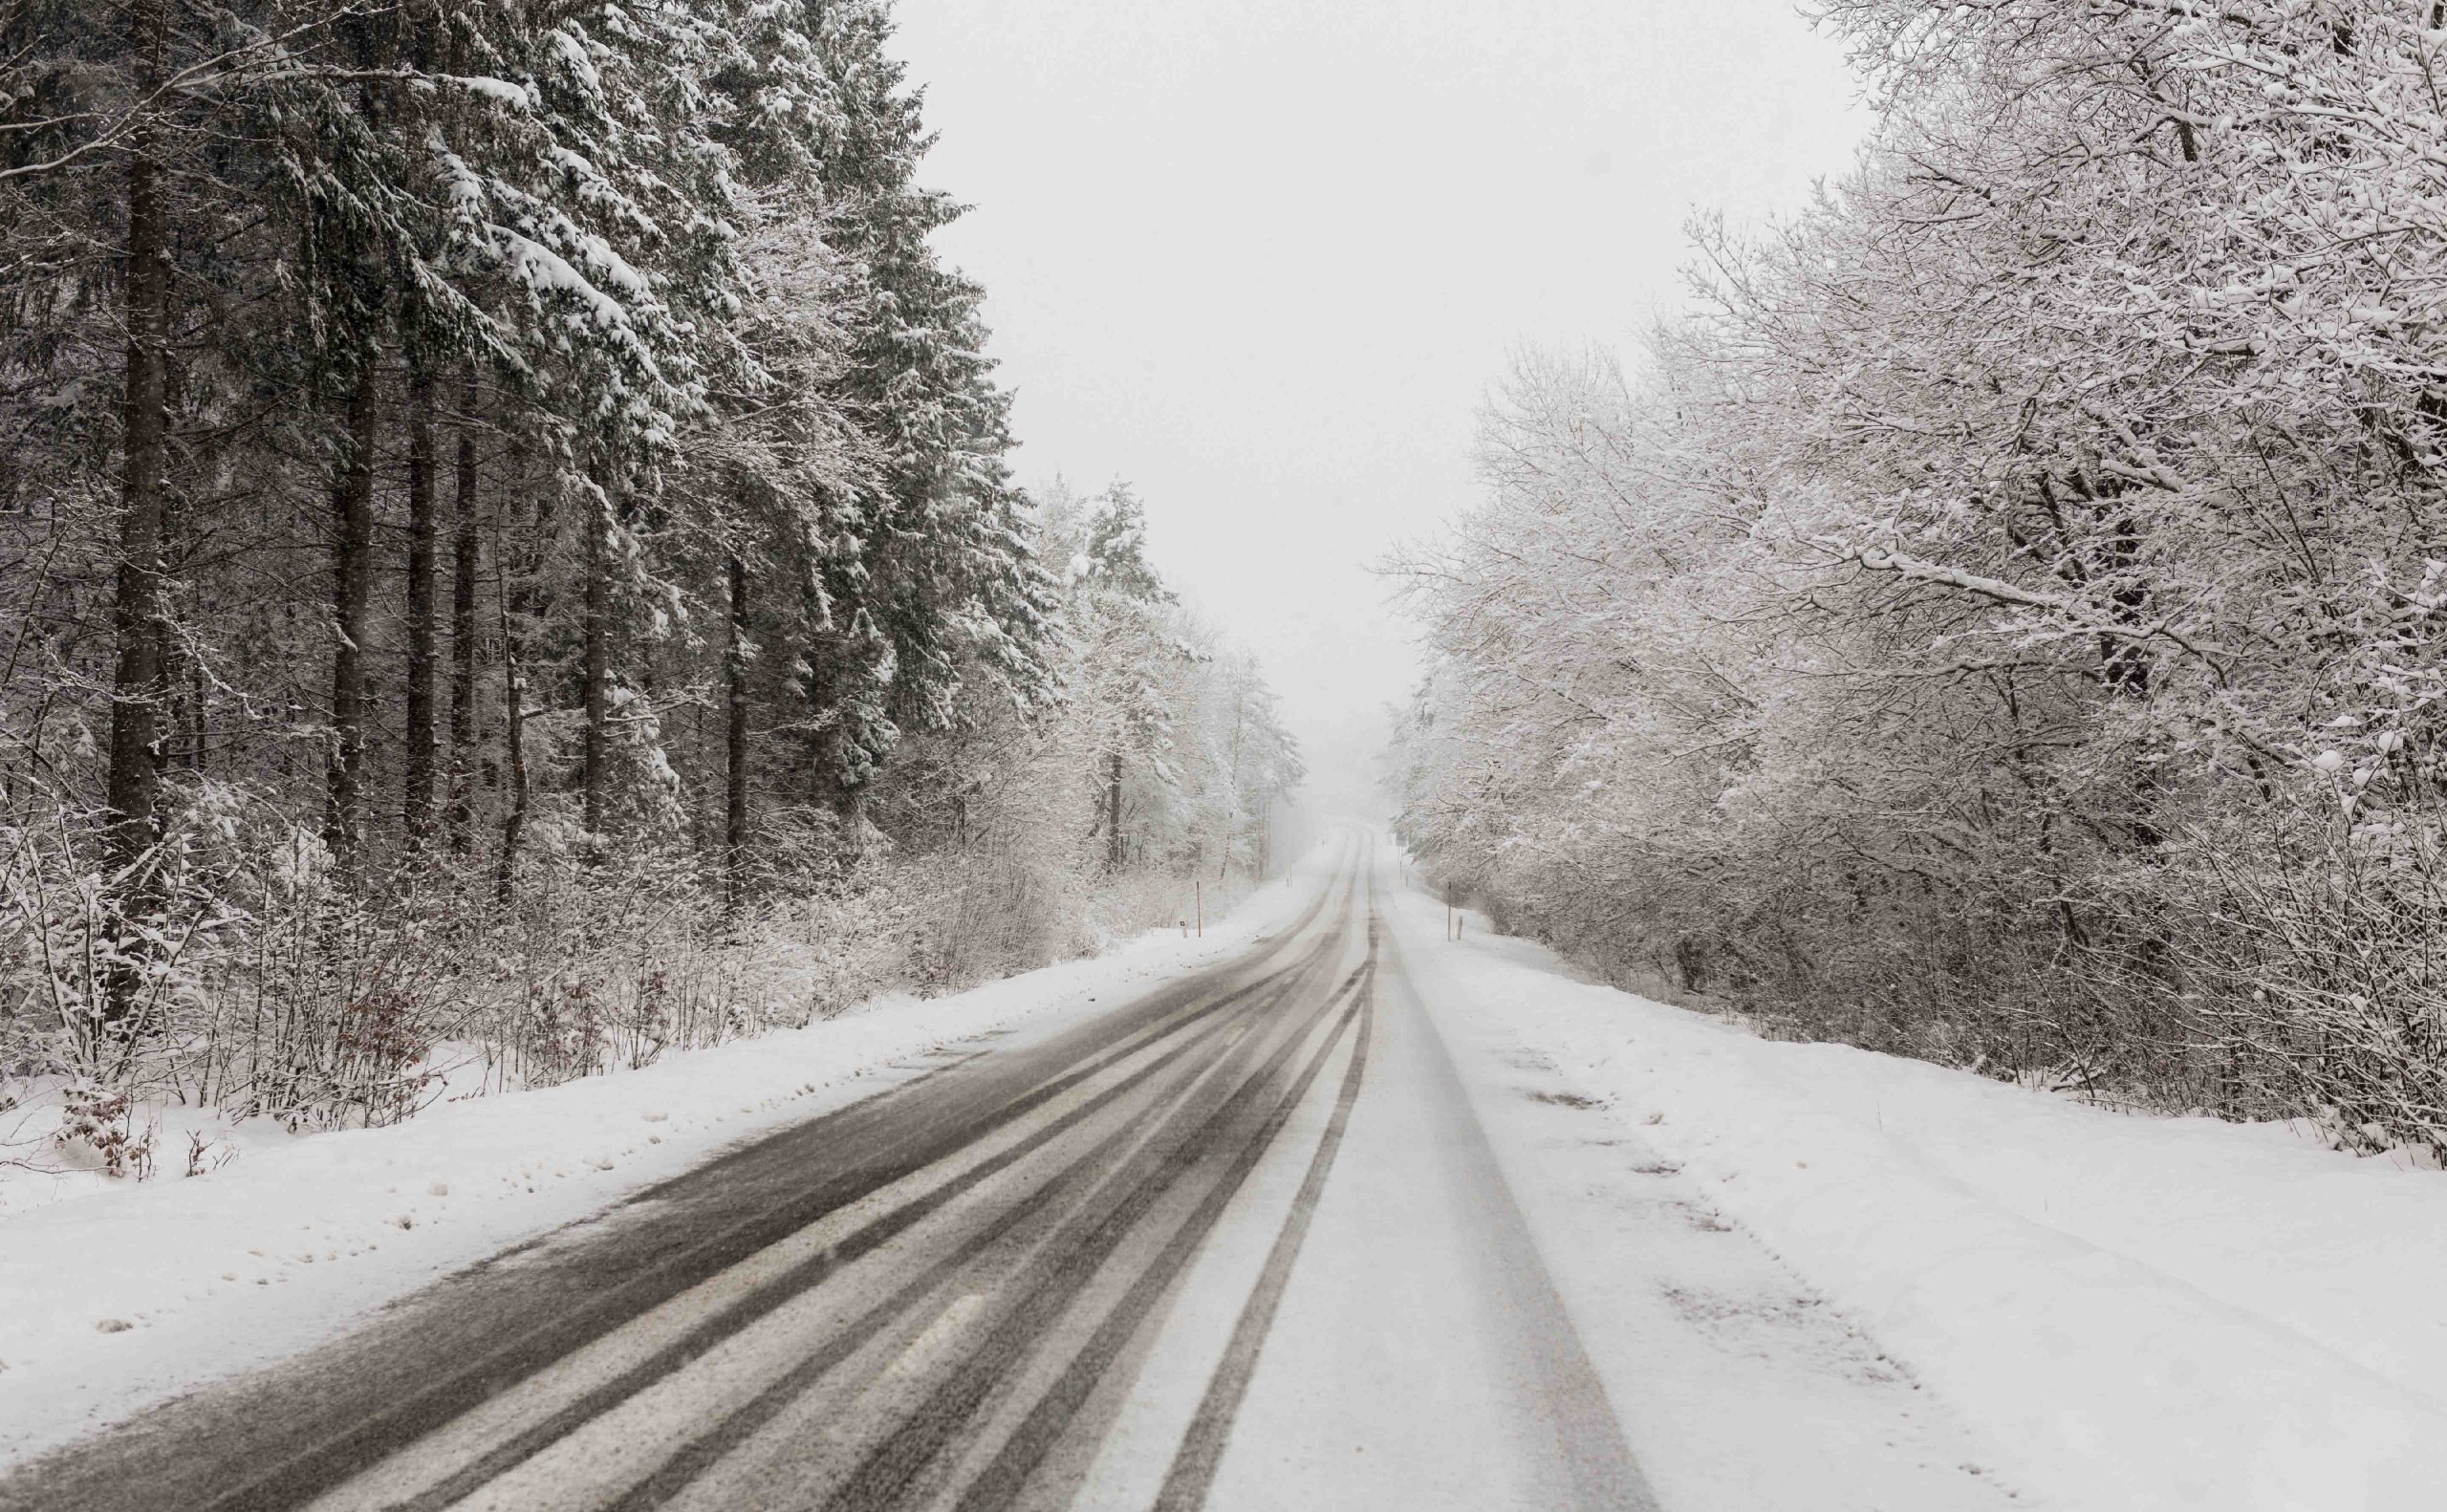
2002	621
448	449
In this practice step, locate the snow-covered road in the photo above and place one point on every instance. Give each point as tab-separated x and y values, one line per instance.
1354	1217
948	1295
1259	1238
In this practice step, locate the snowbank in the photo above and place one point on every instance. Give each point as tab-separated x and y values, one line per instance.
2141	1313
115	1300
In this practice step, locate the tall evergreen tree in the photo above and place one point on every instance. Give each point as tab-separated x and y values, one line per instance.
438	443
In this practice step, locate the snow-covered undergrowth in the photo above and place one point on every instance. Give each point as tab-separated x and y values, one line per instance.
589	982
2139	1311
122	1293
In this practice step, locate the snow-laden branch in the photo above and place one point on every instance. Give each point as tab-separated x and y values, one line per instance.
2079	615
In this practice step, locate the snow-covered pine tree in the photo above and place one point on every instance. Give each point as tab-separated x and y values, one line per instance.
598	354
940	566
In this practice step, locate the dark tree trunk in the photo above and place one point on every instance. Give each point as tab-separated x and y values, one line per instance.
735	679
517	601
352	604
180	743
2126	668
464	564
135	611
197	725
1116	855
597	668
423	628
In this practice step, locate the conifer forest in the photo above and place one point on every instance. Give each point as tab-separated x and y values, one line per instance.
503	512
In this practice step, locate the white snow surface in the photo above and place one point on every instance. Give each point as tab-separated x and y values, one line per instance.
2137	1312
117	1298
2128	1311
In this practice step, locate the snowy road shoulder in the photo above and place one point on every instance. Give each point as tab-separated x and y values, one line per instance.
116	1300
2136	1313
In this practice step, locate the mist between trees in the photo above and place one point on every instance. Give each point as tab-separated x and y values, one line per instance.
506	527
2002	623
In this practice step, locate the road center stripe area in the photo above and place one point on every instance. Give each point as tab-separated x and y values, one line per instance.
657	1441
1056	1409
1202	1448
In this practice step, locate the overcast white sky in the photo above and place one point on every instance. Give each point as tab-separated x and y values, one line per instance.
1263	257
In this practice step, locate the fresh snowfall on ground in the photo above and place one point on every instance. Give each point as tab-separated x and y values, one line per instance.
2138	1311
2117	1310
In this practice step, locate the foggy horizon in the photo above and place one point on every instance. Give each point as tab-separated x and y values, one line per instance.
1262	260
